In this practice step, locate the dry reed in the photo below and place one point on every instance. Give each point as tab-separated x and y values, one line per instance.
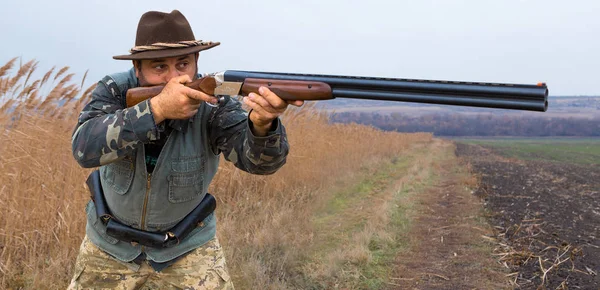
264	221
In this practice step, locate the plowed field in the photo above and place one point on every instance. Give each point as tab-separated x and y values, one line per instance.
546	214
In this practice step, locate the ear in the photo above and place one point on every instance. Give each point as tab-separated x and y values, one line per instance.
137	69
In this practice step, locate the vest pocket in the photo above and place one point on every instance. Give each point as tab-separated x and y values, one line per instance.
186	180
184	186
119	175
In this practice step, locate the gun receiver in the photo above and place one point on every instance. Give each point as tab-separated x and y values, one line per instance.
323	87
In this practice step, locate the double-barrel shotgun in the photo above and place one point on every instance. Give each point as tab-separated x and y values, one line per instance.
310	87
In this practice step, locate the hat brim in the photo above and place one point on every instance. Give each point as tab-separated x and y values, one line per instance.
164	53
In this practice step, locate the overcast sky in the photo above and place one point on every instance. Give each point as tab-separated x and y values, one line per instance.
511	41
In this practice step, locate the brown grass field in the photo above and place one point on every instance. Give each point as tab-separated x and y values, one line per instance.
266	223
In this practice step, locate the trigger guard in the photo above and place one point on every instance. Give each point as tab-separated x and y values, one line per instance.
220	100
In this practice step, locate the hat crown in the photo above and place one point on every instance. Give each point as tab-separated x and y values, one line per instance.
160	27
162	35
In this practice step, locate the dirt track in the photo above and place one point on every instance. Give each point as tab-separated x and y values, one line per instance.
546	217
450	249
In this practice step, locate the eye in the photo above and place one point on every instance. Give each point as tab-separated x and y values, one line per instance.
159	67
182	65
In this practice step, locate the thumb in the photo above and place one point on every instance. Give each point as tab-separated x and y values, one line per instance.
182	79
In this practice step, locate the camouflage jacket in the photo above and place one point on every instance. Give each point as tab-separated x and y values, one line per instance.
111	136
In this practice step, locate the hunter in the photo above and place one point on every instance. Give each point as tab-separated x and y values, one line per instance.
156	160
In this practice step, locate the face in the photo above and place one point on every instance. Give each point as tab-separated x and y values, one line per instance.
152	72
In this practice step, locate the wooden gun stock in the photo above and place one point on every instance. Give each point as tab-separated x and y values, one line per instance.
135	96
290	90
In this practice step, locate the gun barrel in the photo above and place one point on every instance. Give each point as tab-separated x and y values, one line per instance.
477	94
485	102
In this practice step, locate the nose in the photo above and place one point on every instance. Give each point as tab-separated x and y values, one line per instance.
173	72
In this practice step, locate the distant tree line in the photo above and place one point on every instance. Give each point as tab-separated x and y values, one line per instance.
479	125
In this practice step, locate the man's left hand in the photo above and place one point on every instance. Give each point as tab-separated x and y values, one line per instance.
266	107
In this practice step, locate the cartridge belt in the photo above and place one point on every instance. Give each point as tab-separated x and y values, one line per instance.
125	233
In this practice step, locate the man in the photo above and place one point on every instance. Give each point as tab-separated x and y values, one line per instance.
157	159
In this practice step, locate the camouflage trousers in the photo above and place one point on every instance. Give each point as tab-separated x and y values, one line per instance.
203	268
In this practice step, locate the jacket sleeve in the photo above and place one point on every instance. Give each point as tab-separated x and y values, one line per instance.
106	131
229	133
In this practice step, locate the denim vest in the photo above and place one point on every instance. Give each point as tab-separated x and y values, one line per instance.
157	202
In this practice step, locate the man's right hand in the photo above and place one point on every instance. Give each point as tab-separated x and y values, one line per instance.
176	101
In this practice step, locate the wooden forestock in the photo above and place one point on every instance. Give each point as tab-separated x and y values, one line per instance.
290	90
134	96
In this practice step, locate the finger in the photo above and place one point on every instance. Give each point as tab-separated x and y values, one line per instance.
260	100
194	102
297	103
272	98
192	113
188	104
198	95
258	109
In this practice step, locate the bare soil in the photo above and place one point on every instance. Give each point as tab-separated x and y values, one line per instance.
546	217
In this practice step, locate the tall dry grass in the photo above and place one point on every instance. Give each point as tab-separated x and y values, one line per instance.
41	189
264	221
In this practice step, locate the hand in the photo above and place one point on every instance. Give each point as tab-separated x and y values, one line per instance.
176	101
266	107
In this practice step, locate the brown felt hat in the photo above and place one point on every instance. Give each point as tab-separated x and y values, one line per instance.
161	35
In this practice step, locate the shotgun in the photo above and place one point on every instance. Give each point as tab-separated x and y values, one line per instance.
309	87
